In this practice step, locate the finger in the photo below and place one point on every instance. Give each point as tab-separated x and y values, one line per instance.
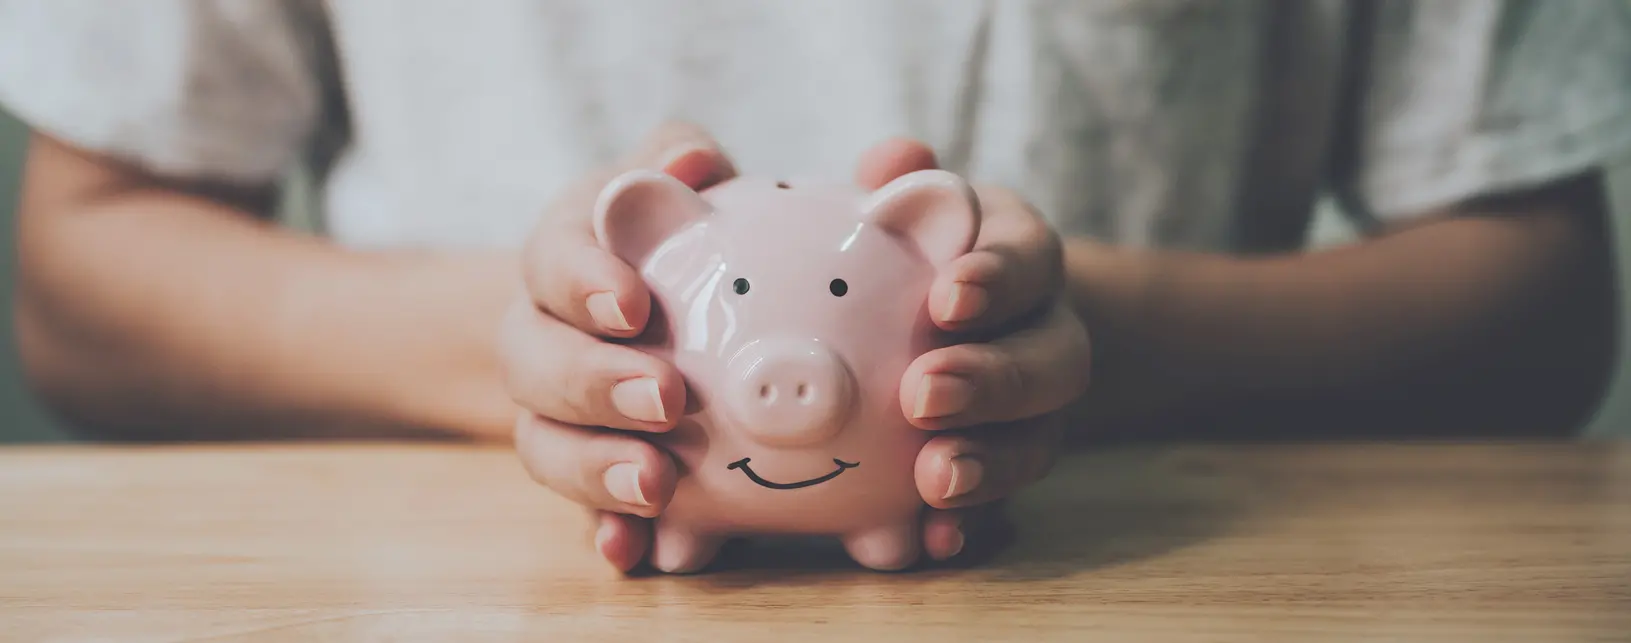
569	275
595	468
1027	373
1017	264
893	159
621	539
574	280
943	535
950	533
664	147
556	371
967	470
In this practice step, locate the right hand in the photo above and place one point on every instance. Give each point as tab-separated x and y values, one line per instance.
574	386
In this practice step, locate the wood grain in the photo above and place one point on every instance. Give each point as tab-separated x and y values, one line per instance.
1516	542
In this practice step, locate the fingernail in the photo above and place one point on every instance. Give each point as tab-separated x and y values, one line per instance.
638	399
966	302
603	307
965	476
696	174
940	395
623	482
956	544
678	153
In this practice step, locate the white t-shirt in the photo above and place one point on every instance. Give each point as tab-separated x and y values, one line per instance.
1182	123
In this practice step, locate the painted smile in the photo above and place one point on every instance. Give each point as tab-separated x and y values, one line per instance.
748	471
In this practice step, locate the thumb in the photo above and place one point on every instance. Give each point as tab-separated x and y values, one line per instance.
892	159
684	150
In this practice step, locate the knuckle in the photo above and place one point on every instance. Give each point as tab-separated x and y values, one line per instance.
578	402
1000	380
586	392
566	295
542	287
524	441
512	330
1032	228
585	260
546	388
532	450
1004	373
522	386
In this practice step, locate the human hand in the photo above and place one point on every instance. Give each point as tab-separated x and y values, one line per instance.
552	334
1024	355
574	387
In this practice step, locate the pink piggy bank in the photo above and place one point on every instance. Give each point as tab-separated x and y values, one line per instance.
792	311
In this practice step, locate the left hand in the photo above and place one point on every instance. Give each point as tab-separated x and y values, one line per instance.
1026	358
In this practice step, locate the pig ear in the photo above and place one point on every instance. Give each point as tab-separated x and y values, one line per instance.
639	210
934	209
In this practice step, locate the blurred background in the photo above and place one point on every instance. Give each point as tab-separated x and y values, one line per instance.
22	420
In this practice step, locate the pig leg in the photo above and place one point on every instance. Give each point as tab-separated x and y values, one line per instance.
887	548
680	549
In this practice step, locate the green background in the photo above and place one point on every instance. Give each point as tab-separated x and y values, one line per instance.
21	419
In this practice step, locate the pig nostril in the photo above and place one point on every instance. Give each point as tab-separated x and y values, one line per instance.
787	392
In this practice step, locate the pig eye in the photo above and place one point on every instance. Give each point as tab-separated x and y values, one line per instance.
740	286
838	287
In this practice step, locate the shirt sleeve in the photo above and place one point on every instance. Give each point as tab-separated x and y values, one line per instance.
199	89
1459	98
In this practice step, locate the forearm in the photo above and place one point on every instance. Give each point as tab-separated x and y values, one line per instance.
153	314
1478	324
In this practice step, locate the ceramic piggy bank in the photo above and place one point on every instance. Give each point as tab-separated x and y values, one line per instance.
792	311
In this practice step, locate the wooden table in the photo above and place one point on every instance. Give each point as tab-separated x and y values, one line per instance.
432	543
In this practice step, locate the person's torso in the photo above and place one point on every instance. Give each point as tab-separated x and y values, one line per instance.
1192	123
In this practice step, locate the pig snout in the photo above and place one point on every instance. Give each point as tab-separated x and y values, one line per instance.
789	393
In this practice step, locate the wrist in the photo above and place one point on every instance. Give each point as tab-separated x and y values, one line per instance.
1117	292
1109	288
449	380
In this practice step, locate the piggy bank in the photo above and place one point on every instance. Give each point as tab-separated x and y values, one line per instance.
792	310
